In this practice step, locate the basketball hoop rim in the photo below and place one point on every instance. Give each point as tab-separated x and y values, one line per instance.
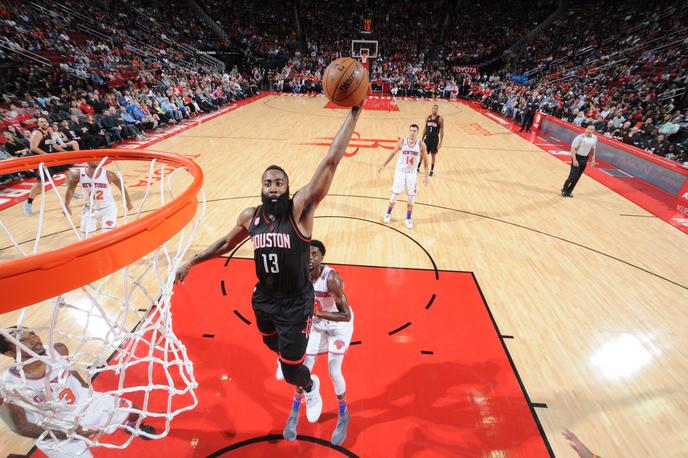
38	277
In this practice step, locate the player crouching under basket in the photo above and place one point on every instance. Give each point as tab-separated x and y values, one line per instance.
53	404
100	208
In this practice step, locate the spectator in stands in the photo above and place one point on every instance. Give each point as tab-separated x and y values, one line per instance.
131	122
74	110
60	139
659	145
632	137
670	126
111	126
14	146
580	118
69	134
92	133
170	109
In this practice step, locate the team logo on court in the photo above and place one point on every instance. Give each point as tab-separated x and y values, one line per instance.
357	142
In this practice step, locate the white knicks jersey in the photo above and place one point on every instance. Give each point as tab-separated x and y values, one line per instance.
409	157
61	405
97	190
324	300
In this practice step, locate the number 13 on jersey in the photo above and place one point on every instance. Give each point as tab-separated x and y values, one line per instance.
270	263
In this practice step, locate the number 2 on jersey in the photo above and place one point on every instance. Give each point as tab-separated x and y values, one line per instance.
273	268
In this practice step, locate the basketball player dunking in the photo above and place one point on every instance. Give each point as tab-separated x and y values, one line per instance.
100	208
412	153
331	333
280	231
433	133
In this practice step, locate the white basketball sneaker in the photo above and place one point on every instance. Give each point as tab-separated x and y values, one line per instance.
278	374
313	401
387	218
409	223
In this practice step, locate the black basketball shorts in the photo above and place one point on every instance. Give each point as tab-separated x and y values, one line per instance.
431	143
54	170
287	317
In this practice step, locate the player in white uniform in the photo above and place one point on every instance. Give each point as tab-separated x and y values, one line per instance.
100	208
412	150
331	331
62	398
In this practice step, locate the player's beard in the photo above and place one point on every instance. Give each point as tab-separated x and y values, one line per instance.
276	206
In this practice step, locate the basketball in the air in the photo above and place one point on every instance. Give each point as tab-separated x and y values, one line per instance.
345	82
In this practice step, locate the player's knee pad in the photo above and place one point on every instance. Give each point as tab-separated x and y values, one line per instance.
334	364
393	198
296	374
272	342
411	199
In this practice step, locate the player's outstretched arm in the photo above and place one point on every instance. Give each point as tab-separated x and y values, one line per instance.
336	287
315	191
394	152
222	246
69	193
114	179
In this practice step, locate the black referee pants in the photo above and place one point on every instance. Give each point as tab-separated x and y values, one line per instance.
527	122
575	174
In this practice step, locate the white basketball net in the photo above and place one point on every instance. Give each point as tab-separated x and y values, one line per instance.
134	375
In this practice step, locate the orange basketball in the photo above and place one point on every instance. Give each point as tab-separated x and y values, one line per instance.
345	82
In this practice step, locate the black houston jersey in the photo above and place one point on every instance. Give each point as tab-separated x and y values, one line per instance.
46	143
432	126
280	252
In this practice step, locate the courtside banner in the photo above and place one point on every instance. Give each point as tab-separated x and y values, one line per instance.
682	200
667	175
467	69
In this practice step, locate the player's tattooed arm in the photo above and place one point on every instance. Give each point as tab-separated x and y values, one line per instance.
336	288
394	152
222	246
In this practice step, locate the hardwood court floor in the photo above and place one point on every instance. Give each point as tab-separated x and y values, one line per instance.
595	301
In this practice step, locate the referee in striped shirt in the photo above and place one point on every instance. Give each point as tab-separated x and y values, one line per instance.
582	148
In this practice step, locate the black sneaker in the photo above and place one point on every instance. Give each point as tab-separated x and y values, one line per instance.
431	173
148	429
568	194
